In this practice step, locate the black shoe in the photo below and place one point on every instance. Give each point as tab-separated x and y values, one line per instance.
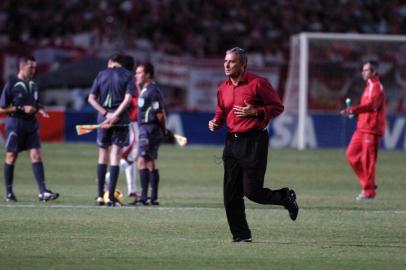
99	201
155	203
291	204
242	240
110	203
48	196
11	197
113	203
139	203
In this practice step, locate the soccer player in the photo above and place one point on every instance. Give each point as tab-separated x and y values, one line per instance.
362	151
152	127
20	100
110	95
246	103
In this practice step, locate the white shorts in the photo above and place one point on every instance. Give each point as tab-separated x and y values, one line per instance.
130	152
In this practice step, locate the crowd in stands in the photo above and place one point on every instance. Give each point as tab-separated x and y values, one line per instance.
193	27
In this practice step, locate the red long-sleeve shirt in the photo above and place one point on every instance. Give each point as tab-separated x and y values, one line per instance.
253	90
371	110
134	105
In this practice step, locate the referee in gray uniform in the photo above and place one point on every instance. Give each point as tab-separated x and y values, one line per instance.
151	125
20	100
111	95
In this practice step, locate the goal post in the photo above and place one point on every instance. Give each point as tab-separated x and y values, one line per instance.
324	69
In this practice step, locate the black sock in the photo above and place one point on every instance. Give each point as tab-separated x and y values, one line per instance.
8	177
154	179
101	178
144	179
114	172
38	170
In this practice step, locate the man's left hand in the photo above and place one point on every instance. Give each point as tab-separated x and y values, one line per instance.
247	111
111	118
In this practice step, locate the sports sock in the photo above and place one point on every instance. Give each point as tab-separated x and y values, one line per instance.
144	178
101	174
114	173
130	177
8	177
38	170
107	181
154	178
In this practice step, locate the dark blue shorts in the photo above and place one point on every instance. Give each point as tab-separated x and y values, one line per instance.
22	134
116	135
149	140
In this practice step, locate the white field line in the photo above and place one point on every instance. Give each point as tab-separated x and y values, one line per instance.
66	206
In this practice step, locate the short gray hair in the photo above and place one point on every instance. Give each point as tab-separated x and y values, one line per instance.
241	53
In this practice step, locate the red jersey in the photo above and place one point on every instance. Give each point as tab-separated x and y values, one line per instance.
371	110
133	109
253	90
134	105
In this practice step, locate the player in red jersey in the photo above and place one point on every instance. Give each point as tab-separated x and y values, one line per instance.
363	148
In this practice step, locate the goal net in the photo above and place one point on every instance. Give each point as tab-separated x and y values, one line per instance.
325	69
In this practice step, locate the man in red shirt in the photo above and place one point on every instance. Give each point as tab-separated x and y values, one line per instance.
363	148
246	103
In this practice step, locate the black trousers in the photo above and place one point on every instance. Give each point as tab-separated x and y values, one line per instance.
245	159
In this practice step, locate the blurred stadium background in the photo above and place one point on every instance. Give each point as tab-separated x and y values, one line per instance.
186	41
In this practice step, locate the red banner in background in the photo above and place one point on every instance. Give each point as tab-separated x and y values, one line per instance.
51	129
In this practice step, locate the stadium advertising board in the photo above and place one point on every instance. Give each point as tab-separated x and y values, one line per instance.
323	130
52	129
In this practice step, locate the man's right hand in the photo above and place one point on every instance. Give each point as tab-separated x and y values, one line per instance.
111	118
346	112
28	109
212	125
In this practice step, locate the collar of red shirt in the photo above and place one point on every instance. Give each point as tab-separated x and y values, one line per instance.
374	78
243	79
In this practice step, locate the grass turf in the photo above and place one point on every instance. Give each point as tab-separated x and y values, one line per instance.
189	230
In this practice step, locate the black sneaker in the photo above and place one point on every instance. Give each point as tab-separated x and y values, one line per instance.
113	203
291	204
110	203
99	201
10	197
139	203
48	195
242	240
155	203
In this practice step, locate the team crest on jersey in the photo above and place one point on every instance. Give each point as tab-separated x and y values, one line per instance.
155	105
141	102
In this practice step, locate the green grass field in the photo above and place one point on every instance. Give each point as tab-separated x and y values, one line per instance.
189	230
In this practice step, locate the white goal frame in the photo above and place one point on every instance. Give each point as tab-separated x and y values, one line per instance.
304	69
